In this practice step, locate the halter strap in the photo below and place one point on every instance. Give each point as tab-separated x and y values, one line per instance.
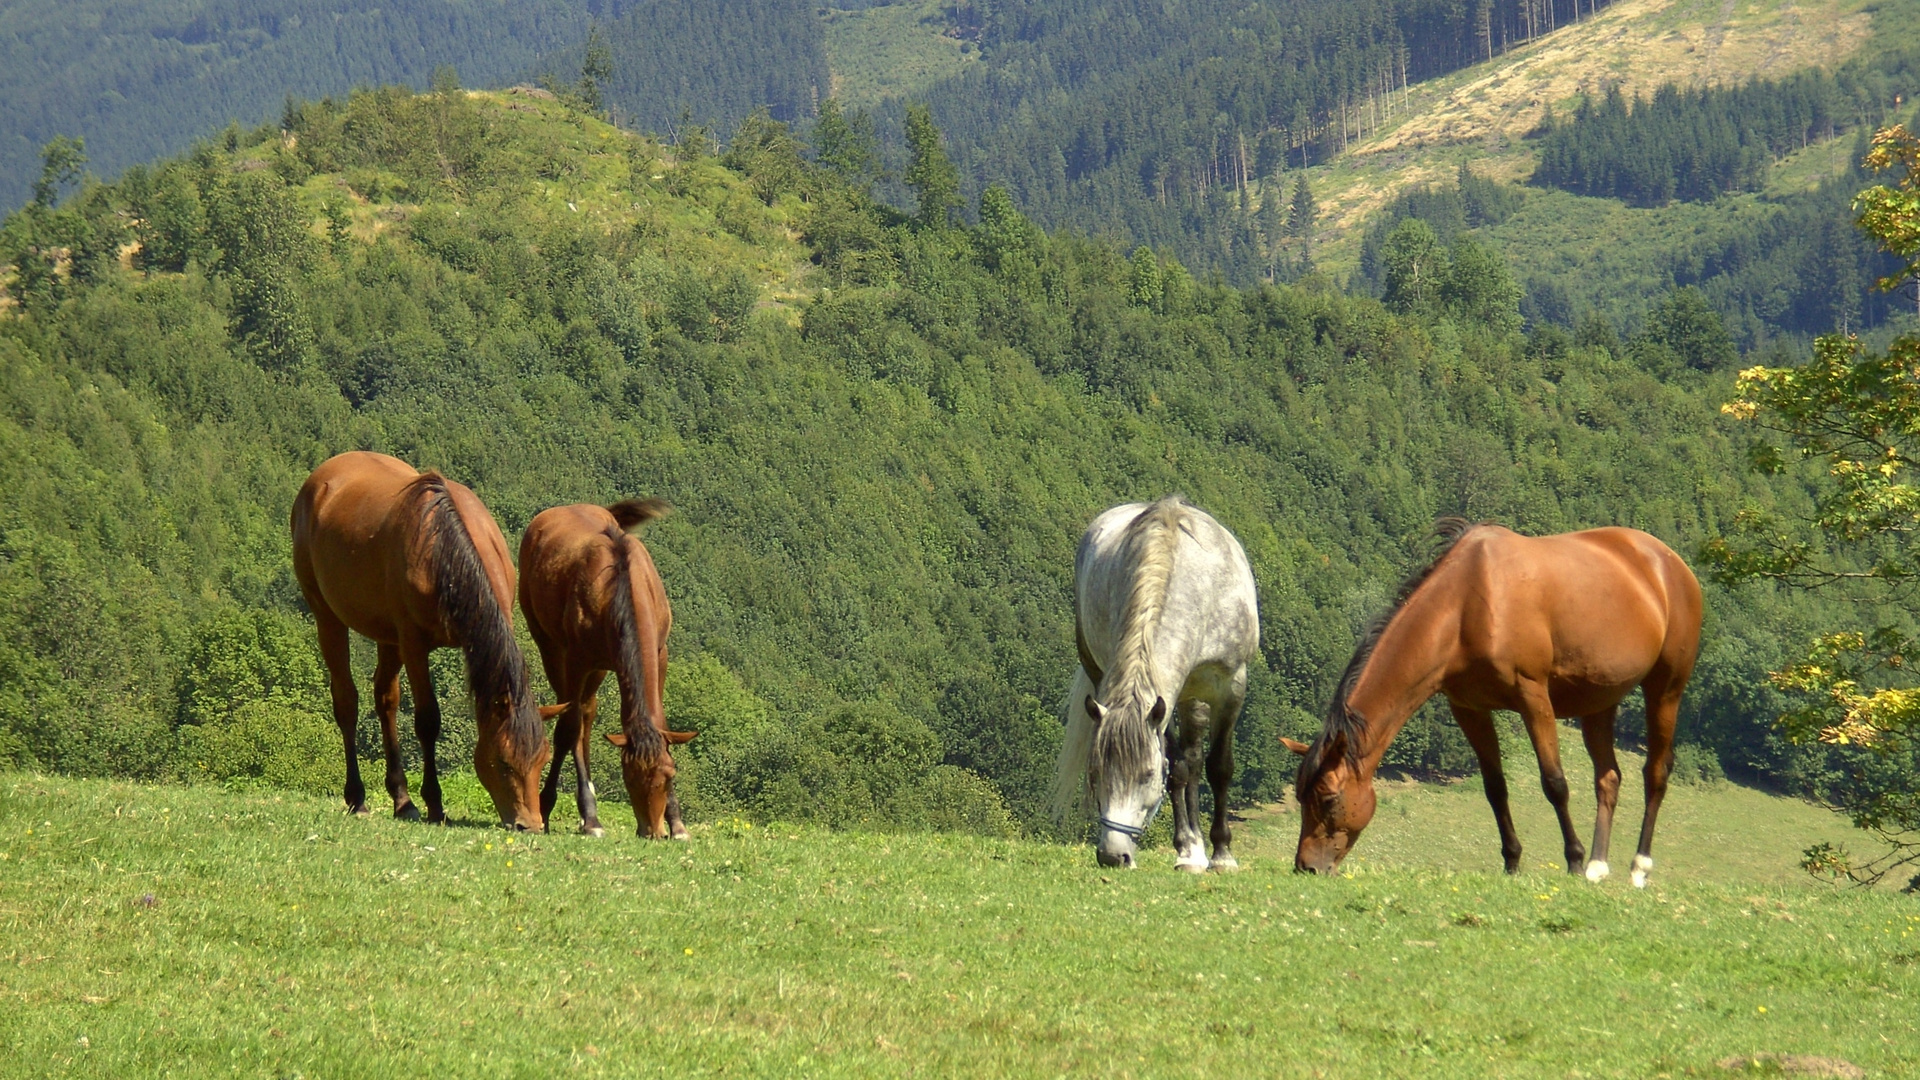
1131	832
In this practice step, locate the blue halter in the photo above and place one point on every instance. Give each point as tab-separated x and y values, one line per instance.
1129	831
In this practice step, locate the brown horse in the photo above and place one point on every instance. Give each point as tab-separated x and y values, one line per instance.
413	561
1547	627
595	604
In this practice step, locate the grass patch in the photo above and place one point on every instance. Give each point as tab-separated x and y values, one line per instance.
156	930
896	51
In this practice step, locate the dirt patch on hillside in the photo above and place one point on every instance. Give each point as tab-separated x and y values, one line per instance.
1635	45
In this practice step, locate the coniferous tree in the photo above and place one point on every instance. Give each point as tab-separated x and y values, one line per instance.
930	175
844	143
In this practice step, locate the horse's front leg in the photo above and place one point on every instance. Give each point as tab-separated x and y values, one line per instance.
426	725
1477	726
1544	732
1191	724
386	705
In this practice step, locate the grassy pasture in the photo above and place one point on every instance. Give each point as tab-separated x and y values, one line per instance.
194	931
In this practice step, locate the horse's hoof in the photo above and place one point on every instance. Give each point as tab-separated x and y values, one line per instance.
1597	871
681	835
360	811
1224	863
1191	866
407	812
592	830
1642	865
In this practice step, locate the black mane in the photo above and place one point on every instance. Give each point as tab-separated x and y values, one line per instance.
1341	719
472	615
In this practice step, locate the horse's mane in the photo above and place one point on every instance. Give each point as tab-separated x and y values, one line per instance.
1341	719
471	612
644	742
1125	739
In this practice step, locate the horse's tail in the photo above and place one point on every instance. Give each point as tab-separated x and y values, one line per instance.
644	740
633	513
1069	795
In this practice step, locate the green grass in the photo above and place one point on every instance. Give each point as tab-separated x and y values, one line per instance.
896	51
168	931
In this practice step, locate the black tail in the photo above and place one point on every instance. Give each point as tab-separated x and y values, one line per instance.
472	615
643	738
633	513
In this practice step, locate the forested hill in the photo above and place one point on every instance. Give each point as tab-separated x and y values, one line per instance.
139	80
1155	121
883	435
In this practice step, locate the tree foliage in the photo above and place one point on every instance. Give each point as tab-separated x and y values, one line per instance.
1857	413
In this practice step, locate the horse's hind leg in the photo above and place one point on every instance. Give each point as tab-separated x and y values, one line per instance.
1663	710
1545	736
386	705
1597	730
336	652
584	796
426	727
1477	726
1220	780
1183	776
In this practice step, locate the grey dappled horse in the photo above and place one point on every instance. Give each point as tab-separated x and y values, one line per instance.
1165	619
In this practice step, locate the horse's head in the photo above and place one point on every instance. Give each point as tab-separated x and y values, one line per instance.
649	774
1336	802
511	754
1127	772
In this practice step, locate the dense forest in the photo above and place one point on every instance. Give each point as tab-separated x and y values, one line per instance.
883	439
1795	268
1699	144
1153	122
714	62
139	80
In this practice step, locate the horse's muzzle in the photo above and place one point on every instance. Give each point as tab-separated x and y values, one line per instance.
1115	850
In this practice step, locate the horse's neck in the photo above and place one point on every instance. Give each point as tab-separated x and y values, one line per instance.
1405	667
1154	669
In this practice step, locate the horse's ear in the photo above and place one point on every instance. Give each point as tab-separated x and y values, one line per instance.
1159	712
548	712
1093	708
1295	745
617	738
678	737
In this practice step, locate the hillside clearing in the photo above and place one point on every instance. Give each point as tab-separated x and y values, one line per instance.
170	931
1479	115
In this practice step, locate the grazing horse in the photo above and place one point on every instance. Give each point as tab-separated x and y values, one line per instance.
1165	620
595	604
413	561
1546	626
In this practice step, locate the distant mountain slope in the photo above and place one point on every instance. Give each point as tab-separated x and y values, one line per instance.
139	80
1479	114
714	60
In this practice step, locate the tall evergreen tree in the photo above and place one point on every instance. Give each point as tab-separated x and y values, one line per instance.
930	175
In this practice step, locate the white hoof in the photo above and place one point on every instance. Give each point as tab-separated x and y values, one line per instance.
595	831
1597	871
1225	864
1642	865
1192	864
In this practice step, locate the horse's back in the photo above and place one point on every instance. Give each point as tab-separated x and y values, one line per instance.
1591	609
566	559
1210	594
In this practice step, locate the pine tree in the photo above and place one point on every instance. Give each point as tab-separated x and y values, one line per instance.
596	70
930	175
844	143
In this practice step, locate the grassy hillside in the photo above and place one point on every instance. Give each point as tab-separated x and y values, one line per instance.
883	439
173	931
